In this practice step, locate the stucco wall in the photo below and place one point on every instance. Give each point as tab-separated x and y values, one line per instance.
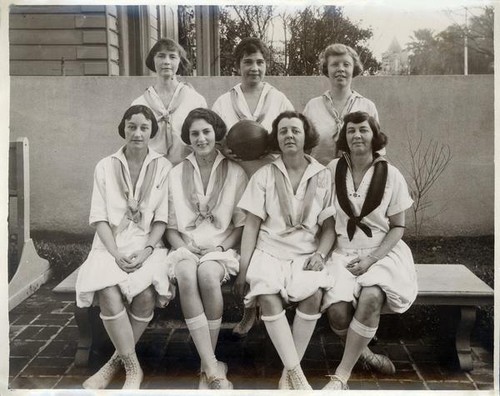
71	123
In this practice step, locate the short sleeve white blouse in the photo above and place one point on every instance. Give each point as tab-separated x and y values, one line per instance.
277	100
109	202
189	100
261	199
396	199
226	211
326	125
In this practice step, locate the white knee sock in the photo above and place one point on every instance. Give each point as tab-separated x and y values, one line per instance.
214	328
198	328
120	332
358	337
302	330
279	331
139	324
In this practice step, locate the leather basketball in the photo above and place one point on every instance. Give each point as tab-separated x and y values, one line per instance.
247	139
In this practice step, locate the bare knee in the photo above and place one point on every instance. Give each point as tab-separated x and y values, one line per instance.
340	315
311	304
270	304
370	302
186	274
144	303
110	301
210	275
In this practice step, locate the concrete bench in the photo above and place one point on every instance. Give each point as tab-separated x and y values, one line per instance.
451	285
29	271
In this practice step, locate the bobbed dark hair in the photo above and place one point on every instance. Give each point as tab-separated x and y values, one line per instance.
340	49
380	139
209	116
138	109
311	136
167	44
248	46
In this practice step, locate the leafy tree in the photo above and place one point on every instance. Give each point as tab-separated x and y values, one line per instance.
238	22
443	53
316	27
306	34
480	40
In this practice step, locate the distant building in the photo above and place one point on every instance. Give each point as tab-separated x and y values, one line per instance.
395	60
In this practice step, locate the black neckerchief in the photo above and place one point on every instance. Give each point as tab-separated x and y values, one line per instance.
373	196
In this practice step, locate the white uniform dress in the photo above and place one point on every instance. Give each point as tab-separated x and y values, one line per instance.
395	273
271	103
277	262
207	233
327	125
110	205
184	101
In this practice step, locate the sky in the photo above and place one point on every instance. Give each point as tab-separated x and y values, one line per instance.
400	18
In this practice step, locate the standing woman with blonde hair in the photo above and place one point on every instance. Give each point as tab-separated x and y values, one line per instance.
170	99
340	64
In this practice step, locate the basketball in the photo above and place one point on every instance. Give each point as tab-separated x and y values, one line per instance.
247	139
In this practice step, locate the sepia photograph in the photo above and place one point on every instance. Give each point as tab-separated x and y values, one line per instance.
280	196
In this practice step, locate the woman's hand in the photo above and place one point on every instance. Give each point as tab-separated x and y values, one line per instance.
124	262
208	249
359	265
228	153
138	257
194	248
240	286
314	263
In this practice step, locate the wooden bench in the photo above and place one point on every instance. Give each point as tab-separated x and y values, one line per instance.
29	270
452	285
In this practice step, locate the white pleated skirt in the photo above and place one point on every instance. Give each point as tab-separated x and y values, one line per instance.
229	260
270	275
100	271
394	274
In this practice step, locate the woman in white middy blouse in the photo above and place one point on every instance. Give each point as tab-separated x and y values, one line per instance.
204	229
125	272
170	99
340	64
372	266
285	241
256	100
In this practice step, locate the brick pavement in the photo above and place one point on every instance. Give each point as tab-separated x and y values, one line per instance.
43	338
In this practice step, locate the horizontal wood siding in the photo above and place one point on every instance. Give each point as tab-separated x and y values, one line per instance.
63	40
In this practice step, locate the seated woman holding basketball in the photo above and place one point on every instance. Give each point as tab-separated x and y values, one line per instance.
372	267
255	100
285	242
125	272
204	227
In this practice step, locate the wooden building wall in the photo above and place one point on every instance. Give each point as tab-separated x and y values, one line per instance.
64	40
86	40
